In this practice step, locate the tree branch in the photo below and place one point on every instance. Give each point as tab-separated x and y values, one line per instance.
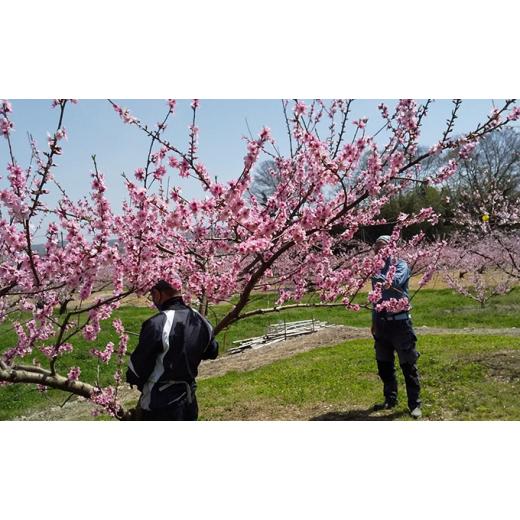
12	375
285	307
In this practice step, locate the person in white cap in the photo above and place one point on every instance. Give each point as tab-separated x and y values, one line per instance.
393	332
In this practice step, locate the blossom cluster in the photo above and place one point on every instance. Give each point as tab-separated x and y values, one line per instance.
104	355
106	399
124	114
481	267
74	374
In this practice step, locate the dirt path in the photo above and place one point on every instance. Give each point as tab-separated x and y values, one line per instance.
252	359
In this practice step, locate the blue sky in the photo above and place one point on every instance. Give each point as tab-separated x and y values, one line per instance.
94	128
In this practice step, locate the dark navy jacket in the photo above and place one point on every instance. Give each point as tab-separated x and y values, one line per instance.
171	346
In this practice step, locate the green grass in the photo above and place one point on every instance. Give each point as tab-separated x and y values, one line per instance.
464	377
430	307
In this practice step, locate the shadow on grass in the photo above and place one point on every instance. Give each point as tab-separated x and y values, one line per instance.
359	415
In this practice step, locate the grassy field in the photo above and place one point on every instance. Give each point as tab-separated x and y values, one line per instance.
464	377
433	308
438	308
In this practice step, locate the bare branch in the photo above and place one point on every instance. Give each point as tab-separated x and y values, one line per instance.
12	375
286	307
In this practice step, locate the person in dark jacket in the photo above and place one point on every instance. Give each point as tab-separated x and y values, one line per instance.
165	363
393	332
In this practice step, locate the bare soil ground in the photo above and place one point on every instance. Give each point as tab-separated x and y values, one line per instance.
500	365
503	366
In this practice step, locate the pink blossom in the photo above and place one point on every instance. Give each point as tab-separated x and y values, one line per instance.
98	184
56	102
106	399
184	169
466	150
299	108
495	116
118	377
514	114
74	374
355	307
360	123
384	110
6	127
118	325
265	134
193	136
435	148
393	305
375	295
283	297
123	337
5	106
61	134
445	172
52	352
86	290
173	162
17	177
124	114
407	116
104	355
427	215
216	190
159	172
90	332
254	245
297	234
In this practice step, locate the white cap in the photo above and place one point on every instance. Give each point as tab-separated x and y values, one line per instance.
384	238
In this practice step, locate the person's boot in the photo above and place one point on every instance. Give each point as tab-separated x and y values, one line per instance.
413	389
416	413
388	404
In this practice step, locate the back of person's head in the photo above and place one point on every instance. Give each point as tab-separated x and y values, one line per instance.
166	288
